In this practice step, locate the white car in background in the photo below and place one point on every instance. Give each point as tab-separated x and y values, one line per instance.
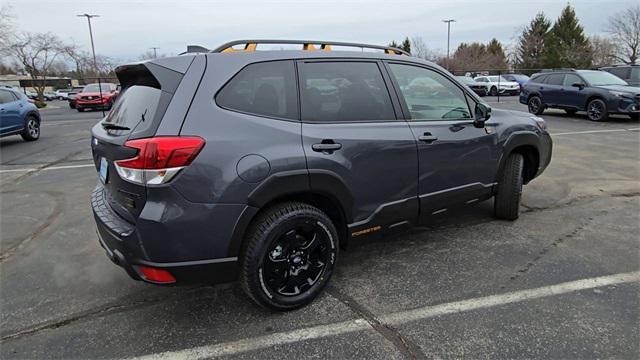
499	85
63	94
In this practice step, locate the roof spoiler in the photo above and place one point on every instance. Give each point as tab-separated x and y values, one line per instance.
195	49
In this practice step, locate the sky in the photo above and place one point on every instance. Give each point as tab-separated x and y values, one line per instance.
127	29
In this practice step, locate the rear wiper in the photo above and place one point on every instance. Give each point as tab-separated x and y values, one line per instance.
111	126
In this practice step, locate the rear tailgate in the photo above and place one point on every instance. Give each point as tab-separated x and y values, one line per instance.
147	91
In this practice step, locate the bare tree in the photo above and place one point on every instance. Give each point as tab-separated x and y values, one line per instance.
624	27
420	49
604	50
36	53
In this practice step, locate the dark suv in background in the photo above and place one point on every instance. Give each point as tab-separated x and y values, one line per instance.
259	165
628	73
599	93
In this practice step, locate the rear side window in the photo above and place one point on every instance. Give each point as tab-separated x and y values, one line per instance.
538	79
267	89
343	91
554	79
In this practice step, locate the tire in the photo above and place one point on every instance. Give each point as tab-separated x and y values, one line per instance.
535	105
493	91
31	130
71	106
597	110
507	200
60	98
570	111
288	244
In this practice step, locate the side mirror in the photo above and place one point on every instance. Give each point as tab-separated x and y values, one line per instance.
578	85
482	114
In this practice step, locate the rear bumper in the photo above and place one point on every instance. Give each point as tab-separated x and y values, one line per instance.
124	246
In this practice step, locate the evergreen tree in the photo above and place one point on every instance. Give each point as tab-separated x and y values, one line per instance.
406	45
531	43
567	45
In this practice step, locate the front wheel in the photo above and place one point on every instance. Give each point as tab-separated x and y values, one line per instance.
31	130
493	91
597	110
535	105
289	256
507	200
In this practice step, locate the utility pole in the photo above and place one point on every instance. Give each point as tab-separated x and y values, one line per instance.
155	55
448	21
93	50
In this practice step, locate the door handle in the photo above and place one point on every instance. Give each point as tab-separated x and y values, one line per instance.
427	137
326	145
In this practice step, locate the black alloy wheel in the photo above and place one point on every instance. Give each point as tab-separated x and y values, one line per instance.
597	110
289	256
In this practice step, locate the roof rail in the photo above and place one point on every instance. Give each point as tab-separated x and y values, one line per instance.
308	45
559	69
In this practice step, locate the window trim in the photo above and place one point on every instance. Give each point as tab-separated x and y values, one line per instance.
296	97
386	79
405	108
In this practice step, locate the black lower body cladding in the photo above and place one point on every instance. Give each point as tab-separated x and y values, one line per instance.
192	241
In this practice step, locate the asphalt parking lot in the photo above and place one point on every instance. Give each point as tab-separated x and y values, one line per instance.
563	281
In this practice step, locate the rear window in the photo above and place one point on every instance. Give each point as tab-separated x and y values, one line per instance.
136	104
266	89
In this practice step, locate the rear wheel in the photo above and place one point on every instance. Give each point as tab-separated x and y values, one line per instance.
597	110
493	91
535	105
31	130
289	256
507	200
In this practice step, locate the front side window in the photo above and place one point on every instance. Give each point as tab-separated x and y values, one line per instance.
343	91
429	95
266	89
6	97
571	79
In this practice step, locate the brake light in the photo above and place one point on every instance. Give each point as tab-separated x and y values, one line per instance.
159	159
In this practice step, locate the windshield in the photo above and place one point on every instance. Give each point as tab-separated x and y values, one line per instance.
96	88
602	78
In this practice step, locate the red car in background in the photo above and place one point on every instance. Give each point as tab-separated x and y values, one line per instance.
96	96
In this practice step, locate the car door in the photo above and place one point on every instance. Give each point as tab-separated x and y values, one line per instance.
10	119
457	161
573	96
350	131
552	89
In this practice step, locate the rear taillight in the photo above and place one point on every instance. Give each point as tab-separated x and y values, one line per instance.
159	159
156	275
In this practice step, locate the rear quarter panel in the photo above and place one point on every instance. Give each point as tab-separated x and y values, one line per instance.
268	146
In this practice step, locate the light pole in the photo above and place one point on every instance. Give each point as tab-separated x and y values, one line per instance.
155	55
448	21
93	50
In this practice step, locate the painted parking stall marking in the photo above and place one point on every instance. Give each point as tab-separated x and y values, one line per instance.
401	317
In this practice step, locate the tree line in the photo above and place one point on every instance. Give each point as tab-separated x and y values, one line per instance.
543	44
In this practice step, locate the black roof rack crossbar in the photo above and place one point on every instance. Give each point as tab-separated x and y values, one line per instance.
310	45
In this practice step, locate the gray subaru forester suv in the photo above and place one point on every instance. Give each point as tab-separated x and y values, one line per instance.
241	163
